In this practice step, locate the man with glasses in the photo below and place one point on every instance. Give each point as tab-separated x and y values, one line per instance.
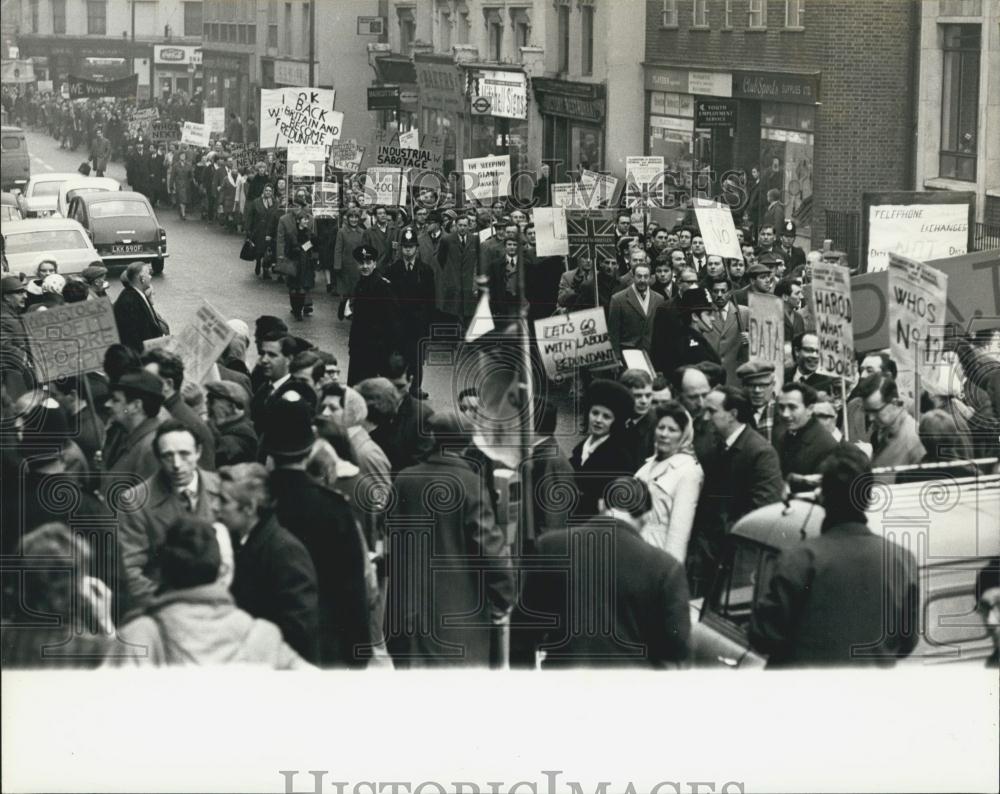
757	378
805	352
895	441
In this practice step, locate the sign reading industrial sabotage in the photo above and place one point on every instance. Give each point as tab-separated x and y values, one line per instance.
71	339
82	87
578	340
298	115
767	332
833	314
921	225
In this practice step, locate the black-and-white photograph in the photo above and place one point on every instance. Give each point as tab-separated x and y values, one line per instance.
549	395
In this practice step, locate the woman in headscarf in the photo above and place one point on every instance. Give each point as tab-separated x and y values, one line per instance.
604	453
674	478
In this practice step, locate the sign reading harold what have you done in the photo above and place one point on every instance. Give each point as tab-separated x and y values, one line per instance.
298	115
834	314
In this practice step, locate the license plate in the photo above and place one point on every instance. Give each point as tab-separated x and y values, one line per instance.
135	248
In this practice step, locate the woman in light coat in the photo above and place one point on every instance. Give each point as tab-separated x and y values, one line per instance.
674	478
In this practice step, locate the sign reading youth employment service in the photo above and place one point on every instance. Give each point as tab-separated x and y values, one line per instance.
298	115
84	88
767	333
200	343
71	339
833	314
196	134
578	340
487	178
718	231
918	296
644	185
921	225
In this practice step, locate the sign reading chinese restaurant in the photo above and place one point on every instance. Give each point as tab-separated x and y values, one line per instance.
506	91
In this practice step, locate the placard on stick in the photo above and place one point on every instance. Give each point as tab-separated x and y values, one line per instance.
718	231
71	339
578	340
833	313
767	333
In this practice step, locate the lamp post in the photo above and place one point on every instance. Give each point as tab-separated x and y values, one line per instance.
131	47
312	43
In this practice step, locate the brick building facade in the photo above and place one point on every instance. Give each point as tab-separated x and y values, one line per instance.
823	92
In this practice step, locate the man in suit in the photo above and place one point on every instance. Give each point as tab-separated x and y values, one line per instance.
179	487
774	215
726	328
383	237
100	151
803	444
134	403
541	278
644	595
503	274
276	353
576	286
761	281
832	598
135	316
551	477
262	228
757	379
274	577
413	289
793	255
631	312
404	439
459	258
790	292
805	351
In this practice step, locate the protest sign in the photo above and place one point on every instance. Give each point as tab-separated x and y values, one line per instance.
567	195
200	342
306	159
833	314
326	200
298	115
409	139
215	118
767	333
164	131
139	121
644	185
487	178
347	155
196	134
578	340
551	236
921	225
84	88
918	296
592	232
70	339
44	86
719	232
385	186
603	188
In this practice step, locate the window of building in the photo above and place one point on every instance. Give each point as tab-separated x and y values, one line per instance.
251	34
669	14
287	48
521	22
444	30
758	14
97	18
700	14
242	35
407	30
463	28
494	34
192	18
563	38
727	14
795	13
587	40
272	36
33	16
962	46
58	16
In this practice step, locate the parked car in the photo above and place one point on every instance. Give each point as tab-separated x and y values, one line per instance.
40	194
15	164
950	525
9	211
81	185
122	227
28	242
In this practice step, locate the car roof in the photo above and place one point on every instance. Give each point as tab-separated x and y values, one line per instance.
113	195
40	224
52	176
90	181
10	128
957	518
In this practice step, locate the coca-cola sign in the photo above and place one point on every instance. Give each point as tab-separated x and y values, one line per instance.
176	55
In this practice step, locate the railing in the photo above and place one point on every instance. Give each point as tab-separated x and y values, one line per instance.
985	236
844	228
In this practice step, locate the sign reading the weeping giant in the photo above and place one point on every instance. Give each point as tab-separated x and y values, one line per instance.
298	115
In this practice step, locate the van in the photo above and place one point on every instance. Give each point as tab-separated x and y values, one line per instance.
15	165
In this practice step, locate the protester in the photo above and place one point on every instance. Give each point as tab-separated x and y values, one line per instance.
228	418
895	441
803	443
135	316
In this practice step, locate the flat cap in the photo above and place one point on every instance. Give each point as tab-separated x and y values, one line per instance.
757	269
752	370
230	391
142	381
94	273
11	284
770	258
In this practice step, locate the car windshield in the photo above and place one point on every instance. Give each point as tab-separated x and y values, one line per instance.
118	209
47	240
79	191
746	577
46	189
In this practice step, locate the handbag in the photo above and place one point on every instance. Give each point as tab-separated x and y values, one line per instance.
248	253
286	266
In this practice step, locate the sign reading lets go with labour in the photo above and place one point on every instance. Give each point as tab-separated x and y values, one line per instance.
298	115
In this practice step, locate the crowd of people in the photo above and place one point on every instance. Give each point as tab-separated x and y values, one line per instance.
289	514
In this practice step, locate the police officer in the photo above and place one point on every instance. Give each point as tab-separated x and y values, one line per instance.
413	288
370	307
789	251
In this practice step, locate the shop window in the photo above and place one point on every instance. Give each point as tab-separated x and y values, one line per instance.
97	18
587	40
563	38
758	14
699	17
727	14
795	14
192	18
669	15
58	16
960	101
570	146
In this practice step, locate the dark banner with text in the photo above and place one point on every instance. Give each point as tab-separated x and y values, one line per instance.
82	87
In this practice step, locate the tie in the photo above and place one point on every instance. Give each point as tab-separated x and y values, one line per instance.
187	498
462	240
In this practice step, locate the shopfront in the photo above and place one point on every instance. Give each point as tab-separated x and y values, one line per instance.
573	125
64	56
227	82
399	70
176	69
443	102
503	127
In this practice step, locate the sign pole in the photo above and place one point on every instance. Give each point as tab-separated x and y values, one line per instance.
843	407
98	455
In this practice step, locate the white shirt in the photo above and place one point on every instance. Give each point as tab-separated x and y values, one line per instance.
643	301
731	438
590	445
280	381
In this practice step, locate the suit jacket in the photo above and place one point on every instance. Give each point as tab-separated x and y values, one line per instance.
628	325
794	258
804	452
724	337
150	509
676	344
610	460
551	475
382	243
574	294
274	579
131	452
405	440
541	284
831	599
137	320
815	380
448	625
459	268
647	614
774	216
414	293
288	232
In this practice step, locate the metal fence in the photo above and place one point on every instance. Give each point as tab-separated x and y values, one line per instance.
844	228
985	236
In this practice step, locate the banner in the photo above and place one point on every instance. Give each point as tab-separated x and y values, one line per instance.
767	333
326	200
347	156
139	121
215	118
578	340
489	177
83	88
200	342
71	339
196	134
605	193
921	225
833	315
385	186
164	131
719	232
592	232
298	115
918	297
644	185
551	236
